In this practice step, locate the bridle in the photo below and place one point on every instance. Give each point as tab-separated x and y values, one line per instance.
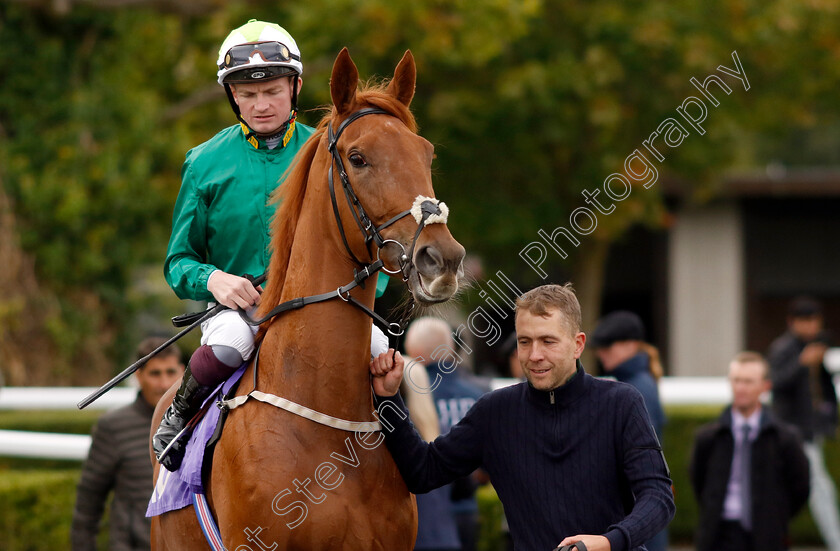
363	221
426	210
428	206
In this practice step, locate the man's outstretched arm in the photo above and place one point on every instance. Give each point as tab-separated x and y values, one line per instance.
424	466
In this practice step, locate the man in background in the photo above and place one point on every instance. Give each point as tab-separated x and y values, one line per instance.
748	470
118	460
804	396
619	344
429	341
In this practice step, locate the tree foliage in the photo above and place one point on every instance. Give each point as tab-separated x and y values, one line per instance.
532	102
89	167
528	102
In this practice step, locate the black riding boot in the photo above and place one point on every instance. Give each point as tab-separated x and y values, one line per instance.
184	406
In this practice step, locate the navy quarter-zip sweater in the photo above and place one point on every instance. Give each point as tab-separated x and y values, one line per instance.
581	459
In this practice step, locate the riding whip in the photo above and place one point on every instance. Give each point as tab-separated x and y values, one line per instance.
142	361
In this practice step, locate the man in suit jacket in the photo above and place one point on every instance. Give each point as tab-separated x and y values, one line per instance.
748	469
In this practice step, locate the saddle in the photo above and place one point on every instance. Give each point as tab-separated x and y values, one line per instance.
175	490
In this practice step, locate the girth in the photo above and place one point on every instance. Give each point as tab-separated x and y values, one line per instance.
297	409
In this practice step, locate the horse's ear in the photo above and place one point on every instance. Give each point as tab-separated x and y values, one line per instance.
405	76
343	82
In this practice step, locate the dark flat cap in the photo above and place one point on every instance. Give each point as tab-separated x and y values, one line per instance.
621	325
804	307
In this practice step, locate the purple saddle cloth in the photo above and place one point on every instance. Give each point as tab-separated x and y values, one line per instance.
174	490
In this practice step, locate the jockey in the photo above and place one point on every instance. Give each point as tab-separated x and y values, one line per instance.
220	224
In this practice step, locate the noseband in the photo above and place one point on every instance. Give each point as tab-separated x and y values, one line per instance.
425	210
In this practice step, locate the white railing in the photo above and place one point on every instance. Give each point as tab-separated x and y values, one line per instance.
49	445
672	390
677	390
62	397
43	445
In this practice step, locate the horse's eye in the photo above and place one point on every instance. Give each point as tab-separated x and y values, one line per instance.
357	160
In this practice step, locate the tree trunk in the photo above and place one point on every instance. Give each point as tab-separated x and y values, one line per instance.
588	278
24	308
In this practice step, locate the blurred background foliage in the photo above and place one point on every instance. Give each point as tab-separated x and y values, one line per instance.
527	101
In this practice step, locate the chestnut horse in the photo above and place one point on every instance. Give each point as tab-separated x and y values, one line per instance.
279	478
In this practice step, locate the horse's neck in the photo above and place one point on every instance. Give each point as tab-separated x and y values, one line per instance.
318	355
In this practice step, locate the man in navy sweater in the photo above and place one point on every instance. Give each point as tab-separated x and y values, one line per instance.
573	458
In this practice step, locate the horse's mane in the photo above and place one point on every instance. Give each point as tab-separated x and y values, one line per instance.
291	193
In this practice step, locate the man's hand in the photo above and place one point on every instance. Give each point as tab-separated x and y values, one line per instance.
387	370
812	355
592	543
233	291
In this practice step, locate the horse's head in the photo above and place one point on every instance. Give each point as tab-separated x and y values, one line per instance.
388	169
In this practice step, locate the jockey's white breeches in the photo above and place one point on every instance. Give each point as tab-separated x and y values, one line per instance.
228	329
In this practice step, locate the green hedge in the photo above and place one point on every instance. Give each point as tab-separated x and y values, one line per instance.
36	506
490	537
67	422
36	509
677	442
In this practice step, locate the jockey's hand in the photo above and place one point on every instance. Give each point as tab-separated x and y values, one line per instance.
233	291
592	543
387	370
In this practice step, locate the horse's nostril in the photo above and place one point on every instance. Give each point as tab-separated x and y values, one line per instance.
429	261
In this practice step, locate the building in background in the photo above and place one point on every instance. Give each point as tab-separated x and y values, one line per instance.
718	280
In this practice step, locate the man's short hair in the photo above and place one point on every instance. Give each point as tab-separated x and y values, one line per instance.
148	345
426	334
541	300
748	356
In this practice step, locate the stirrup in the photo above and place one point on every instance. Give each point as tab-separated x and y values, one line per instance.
169	447
173	454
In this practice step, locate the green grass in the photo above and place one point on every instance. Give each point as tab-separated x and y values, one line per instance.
62	421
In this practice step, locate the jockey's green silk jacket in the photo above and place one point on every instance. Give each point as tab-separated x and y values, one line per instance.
223	211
